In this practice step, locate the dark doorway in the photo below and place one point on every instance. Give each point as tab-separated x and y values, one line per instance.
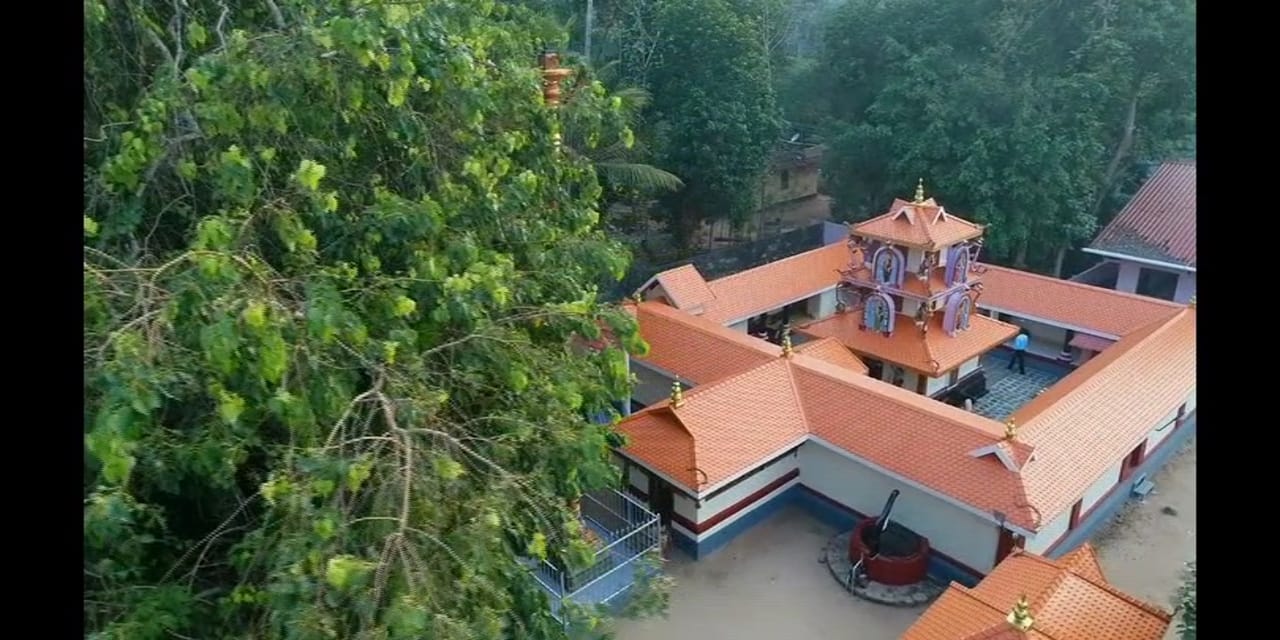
875	368
661	500
1132	461
1006	544
1157	283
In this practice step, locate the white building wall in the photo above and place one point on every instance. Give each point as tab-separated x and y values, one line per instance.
909	309
1127	277
1046	340
914	258
1191	401
1100	488
713	506
638	478
1186	287
909	378
968	367
651	386
740	327
1040	542
950	529
937	384
685	507
822	305
1157	434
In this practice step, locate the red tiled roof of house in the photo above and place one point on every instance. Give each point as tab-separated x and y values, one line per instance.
697	349
755	291
830	350
685	287
1081	306
932	353
1069	600
1159	223
1086	422
925	225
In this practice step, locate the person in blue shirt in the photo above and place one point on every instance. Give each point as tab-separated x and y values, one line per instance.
1020	352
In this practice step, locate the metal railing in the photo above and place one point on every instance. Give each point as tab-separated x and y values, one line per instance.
629	531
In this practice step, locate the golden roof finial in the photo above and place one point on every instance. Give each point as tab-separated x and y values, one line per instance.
1192	302
677	395
1010	429
919	192
1020	618
636	297
787	351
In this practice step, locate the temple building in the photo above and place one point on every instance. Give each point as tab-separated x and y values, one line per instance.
1030	596
829	379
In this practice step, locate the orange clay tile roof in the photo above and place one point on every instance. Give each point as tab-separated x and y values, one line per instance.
1089	308
1159	223
933	353
1069	600
712	415
830	350
926	225
1089	420
697	349
755	291
685	287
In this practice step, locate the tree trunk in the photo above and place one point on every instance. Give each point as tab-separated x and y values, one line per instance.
1058	260
1122	151
1020	255
586	45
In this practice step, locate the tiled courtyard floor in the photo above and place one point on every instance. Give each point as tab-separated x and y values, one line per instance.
1007	389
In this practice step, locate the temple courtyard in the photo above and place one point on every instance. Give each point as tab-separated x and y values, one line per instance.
768	583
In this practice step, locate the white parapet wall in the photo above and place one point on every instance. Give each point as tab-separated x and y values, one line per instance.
725	507
1100	488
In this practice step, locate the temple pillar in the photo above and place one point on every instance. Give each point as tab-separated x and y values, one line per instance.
1064	356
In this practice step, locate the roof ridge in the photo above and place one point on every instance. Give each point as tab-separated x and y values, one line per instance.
1082	285
1002	625
794	256
712	329
1104	585
799	399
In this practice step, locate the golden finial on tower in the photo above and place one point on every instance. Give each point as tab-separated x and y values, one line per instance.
787	351
1192	302
919	192
1020	618
677	395
637	298
1010	429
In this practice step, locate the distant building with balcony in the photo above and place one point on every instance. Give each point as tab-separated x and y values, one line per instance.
1149	248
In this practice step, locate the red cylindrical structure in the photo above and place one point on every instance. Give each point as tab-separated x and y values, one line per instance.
887	569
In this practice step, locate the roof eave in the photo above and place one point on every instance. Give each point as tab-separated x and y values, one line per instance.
1116	255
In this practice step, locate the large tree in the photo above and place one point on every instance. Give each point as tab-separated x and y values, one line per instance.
1186	604
333	266
1024	114
713	97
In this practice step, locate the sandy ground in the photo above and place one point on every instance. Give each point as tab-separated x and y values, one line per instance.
768	585
1144	550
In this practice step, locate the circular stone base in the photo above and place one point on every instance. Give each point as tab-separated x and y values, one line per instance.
836	557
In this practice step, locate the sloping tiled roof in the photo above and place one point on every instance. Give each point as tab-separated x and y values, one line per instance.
1102	311
1090	419
749	293
1077	429
932	353
1159	223
755	291
924	225
697	349
685	286
830	350
1069	600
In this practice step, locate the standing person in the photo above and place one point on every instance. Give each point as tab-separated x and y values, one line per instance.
1020	352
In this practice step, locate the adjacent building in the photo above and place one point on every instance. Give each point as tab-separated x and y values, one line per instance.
1150	246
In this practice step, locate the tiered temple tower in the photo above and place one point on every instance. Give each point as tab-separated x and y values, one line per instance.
907	301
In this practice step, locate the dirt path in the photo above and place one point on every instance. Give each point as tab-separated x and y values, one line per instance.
1146	546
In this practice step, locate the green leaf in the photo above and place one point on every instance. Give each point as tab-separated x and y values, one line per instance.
274	354
342	572
404	307
196	35
538	546
357	473
398	91
309	174
255	314
230	406
90	227
448	468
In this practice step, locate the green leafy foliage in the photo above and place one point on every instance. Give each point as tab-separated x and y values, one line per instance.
1186	604
713	96
335	268
1024	115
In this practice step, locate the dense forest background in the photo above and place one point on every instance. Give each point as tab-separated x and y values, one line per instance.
341	257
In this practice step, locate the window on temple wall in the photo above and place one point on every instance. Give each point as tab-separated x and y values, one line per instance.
887	266
878	314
